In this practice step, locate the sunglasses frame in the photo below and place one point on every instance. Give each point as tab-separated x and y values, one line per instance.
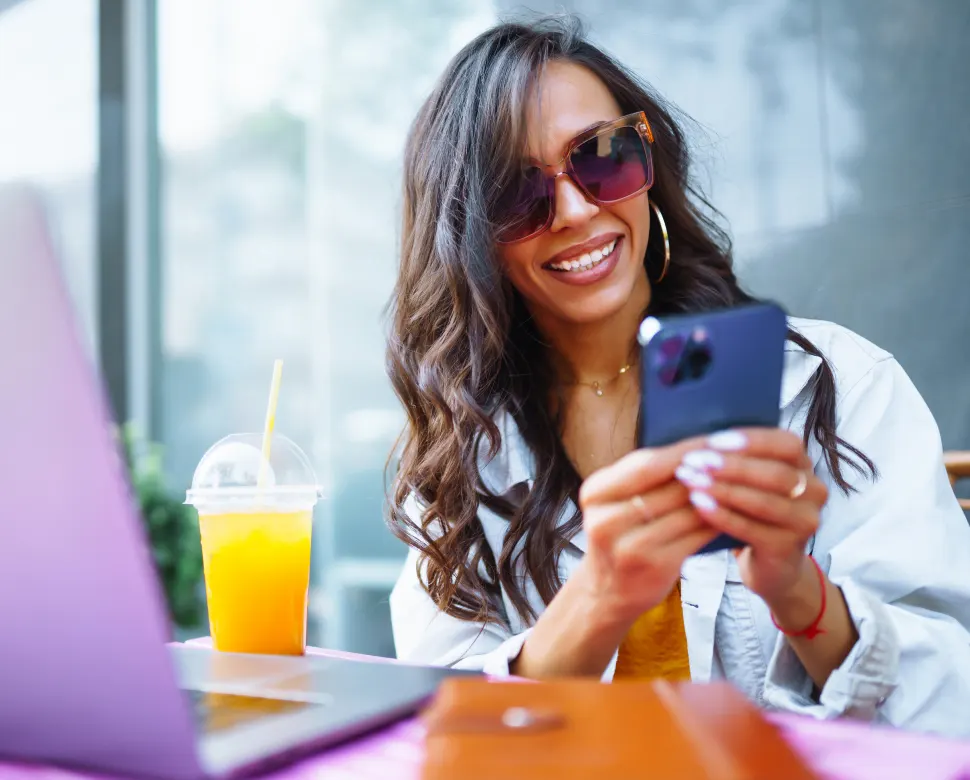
637	120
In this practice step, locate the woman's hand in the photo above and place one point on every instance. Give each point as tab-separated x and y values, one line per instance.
640	527
758	485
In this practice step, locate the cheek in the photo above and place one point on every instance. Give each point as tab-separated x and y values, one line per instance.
516	260
635	213
511	262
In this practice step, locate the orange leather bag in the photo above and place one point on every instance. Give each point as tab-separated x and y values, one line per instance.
481	730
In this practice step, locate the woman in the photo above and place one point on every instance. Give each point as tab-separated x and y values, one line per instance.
547	208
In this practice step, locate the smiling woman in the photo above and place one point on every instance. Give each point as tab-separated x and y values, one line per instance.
548	208
603	194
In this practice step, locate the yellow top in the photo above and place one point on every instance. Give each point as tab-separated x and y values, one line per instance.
656	645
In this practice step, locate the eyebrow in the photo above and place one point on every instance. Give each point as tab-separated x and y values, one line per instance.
593	126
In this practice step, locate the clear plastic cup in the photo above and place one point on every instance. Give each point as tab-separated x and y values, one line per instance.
256	543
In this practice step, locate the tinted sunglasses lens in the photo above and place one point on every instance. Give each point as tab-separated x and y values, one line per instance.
523	207
614	164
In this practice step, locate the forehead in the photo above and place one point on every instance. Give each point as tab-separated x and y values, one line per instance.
568	99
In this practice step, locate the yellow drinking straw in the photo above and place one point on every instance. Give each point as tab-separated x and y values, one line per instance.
274	396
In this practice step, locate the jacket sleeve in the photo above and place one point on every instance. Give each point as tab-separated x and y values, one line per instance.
899	549
426	635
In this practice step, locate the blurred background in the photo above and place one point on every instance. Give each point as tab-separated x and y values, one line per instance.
223	178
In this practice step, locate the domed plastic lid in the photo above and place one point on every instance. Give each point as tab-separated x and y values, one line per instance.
227	476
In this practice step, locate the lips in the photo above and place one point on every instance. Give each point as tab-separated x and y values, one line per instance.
585	261
590	267
581	254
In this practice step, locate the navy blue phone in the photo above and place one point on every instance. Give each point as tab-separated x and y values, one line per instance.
702	373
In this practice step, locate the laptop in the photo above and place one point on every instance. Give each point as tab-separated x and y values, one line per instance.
87	676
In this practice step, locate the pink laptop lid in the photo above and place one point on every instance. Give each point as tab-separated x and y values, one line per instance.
85	678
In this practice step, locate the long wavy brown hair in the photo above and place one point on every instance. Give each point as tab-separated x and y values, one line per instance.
462	346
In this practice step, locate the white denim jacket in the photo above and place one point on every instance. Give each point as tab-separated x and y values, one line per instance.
899	548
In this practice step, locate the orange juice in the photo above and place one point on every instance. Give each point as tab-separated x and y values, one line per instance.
257	574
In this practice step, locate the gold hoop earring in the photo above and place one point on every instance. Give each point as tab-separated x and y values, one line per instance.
663	231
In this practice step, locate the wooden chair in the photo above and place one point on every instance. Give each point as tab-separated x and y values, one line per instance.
958	467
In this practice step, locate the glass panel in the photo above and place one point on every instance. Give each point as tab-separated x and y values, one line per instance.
282	128
48	128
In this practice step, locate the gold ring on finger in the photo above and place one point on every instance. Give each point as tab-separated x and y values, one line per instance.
641	506
799	490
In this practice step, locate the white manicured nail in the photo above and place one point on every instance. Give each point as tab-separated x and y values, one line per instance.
692	477
703	501
704	459
728	440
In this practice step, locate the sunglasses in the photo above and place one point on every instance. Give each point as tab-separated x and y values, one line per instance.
608	163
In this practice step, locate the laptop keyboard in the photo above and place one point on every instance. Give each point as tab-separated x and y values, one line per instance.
220	711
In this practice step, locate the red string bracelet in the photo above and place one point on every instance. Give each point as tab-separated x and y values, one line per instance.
813	629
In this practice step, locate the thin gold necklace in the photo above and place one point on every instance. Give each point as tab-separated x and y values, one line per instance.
598	386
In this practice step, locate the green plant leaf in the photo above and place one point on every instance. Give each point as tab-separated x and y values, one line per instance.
172	528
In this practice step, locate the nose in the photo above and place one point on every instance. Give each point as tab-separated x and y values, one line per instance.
573	209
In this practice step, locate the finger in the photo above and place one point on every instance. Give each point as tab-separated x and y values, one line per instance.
603	523
751	530
691	543
798	515
703	467
662	533
638	472
773	443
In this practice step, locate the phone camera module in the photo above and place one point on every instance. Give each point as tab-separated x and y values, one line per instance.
685	358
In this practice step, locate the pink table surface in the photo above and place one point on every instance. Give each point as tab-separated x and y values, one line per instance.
836	750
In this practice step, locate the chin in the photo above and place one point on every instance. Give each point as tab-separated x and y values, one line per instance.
603	307
599	306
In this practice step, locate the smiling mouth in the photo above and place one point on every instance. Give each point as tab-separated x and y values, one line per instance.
586	261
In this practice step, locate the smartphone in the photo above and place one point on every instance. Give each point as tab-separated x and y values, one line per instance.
702	373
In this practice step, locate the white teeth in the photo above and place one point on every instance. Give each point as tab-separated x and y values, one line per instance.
587	261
